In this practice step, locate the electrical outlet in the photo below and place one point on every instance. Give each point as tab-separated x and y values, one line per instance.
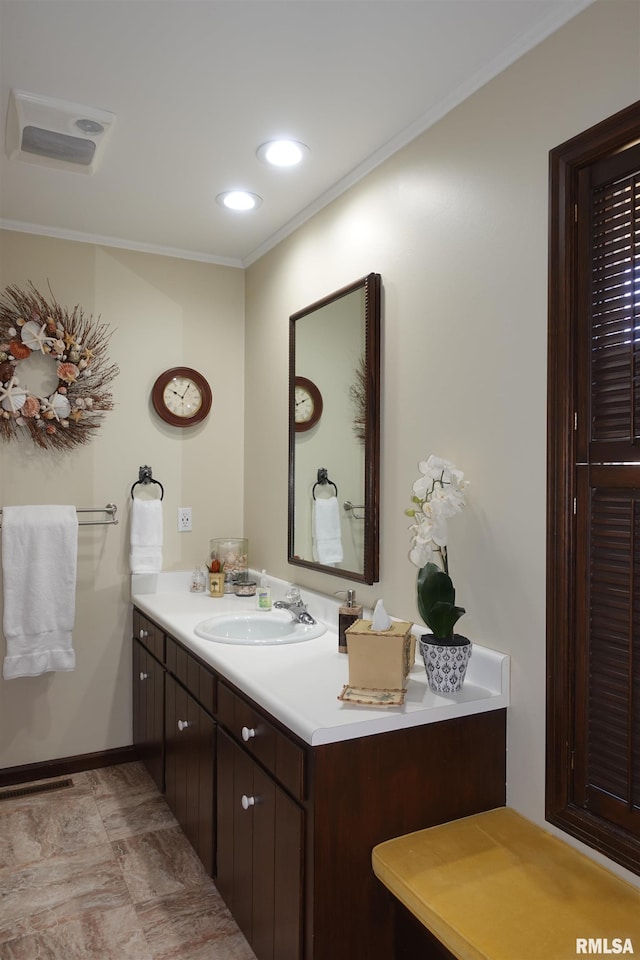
184	519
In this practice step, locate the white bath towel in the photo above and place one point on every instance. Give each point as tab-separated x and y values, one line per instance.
326	532
146	536
39	562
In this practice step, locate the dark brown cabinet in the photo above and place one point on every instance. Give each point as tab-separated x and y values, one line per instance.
190	744
260	854
287	828
148	711
174	730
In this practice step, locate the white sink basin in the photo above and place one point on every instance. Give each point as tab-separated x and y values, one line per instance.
257	629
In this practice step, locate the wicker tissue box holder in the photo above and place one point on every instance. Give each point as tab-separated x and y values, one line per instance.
379	663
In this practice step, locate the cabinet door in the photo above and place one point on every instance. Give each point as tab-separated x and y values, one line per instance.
190	770
234	832
260	854
148	712
278	825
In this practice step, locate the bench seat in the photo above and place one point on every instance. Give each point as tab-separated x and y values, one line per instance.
496	886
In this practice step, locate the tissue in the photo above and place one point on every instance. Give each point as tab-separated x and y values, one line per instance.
381	619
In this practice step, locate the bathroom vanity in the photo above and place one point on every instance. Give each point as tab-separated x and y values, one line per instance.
283	790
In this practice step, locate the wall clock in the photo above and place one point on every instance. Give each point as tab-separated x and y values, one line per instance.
181	396
307	404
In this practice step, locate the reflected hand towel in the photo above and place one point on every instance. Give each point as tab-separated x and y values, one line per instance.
326	533
39	563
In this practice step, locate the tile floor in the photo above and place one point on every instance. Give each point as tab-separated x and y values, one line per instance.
102	871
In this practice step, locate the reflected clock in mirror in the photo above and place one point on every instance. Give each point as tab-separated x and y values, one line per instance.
334	432
308	404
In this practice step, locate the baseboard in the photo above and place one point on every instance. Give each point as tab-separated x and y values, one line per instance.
66	765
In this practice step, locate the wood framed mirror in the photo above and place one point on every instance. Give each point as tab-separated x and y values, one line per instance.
334	432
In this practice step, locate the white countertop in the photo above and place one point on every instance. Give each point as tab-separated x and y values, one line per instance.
299	683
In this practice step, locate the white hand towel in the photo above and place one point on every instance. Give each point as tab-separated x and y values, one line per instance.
146	536
326	532
39	562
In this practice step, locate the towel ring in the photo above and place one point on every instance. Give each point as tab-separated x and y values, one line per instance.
145	476
323	480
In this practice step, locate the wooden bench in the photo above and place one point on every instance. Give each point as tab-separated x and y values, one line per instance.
495	886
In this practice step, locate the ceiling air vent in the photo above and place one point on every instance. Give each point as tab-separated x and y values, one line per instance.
56	133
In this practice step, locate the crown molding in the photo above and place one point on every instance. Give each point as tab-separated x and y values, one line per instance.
77	236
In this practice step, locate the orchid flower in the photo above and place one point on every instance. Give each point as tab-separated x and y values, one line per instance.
439	494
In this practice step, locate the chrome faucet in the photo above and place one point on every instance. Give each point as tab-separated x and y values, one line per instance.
296	607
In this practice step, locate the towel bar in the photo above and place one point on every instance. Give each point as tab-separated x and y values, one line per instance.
348	506
110	508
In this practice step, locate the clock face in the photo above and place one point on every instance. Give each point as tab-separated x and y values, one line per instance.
307	401
181	396
304	405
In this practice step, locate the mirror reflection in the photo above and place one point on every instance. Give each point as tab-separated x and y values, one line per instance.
334	362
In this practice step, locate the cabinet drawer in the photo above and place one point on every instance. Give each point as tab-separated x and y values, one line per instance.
274	749
198	680
149	635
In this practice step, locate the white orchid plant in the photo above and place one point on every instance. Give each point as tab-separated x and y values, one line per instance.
438	495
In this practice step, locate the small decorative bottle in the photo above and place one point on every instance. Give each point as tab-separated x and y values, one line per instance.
347	614
263	601
198	581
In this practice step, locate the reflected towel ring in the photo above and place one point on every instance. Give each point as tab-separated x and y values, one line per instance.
145	476
323	480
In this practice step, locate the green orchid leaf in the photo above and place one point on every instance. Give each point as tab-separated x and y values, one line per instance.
436	601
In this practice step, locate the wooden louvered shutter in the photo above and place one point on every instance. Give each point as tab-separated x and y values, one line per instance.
606	779
593	489
610	251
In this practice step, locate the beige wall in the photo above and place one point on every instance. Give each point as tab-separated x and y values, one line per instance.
164	312
456	223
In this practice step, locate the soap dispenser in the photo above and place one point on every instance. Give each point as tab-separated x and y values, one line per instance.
348	613
263	601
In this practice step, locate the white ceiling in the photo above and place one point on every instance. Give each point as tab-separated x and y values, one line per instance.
198	85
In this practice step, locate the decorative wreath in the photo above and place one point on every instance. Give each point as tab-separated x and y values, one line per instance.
358	392
77	345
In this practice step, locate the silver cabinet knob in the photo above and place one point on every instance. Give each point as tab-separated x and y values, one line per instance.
144	676
183	724
248	733
247	801
143	633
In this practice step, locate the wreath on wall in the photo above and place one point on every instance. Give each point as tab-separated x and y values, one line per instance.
77	345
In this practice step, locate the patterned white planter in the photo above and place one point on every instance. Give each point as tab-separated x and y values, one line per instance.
446	665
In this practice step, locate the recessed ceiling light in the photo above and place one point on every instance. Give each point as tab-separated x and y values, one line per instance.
283	153
239	200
